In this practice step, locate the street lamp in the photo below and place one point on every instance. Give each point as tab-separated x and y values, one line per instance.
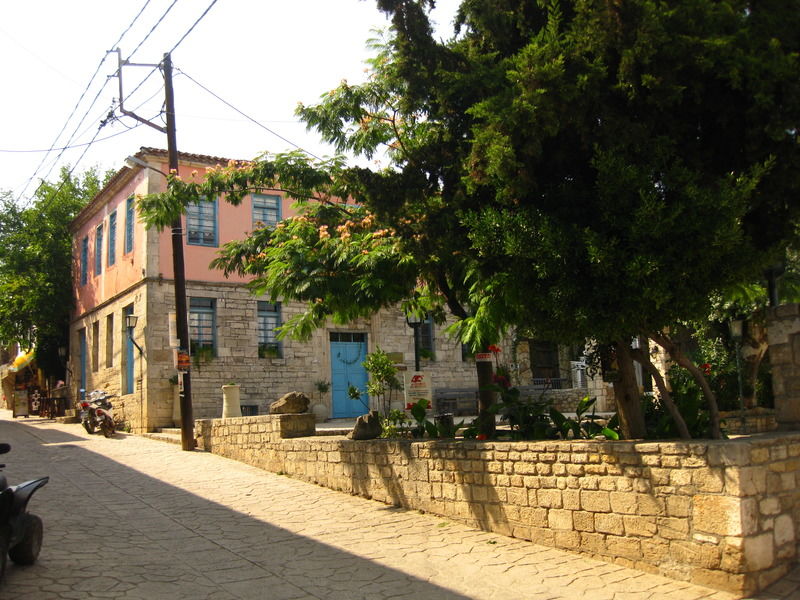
415	322
736	327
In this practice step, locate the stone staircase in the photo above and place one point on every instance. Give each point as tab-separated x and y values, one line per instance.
171	435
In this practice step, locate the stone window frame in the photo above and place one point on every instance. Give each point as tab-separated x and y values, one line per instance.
268	345
203	325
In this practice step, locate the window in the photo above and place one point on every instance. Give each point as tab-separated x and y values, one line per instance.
269	319
202	325
544	359
96	346
98	250
130	216
266	210
109	341
85	260
201	223
426	338
112	238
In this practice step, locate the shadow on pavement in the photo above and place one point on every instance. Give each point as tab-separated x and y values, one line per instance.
114	532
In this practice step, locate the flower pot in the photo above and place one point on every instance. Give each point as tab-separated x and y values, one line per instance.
231	405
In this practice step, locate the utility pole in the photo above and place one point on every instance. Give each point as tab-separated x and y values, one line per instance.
179	272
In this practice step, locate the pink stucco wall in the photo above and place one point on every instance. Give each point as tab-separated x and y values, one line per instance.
127	269
233	223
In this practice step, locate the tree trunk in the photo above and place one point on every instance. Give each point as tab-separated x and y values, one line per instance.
680	359
626	394
643	358
486	398
754	347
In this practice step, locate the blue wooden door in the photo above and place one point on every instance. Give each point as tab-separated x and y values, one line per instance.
128	387
348	351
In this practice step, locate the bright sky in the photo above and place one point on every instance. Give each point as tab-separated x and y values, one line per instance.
260	56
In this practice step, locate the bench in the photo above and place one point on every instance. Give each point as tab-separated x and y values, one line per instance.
457	401
464	401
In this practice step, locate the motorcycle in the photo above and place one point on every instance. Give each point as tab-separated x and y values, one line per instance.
20	531
96	411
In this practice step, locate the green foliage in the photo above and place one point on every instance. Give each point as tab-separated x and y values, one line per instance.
395	424
418	411
322	386
691	405
527	417
584	426
383	381
36	259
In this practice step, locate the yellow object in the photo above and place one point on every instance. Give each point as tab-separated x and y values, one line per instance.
23	360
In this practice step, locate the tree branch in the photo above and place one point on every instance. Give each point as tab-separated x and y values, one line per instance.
640	356
682	360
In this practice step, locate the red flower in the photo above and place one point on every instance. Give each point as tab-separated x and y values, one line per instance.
502	381
706	368
409	406
481	436
493	349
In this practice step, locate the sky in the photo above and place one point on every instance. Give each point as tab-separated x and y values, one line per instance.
261	57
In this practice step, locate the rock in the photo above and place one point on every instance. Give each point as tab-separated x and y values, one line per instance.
292	403
368	427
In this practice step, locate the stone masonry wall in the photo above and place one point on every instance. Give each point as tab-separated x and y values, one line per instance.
718	513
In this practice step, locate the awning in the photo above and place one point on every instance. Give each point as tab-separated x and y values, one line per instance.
23	360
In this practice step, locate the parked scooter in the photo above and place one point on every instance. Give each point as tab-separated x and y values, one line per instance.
96	412
20	531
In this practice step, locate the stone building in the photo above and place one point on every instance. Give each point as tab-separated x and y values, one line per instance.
122	268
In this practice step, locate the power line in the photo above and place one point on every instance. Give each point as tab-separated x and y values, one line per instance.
246	116
108	137
200	18
77	104
152	29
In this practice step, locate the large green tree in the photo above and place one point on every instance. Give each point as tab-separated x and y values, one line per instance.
583	169
36	264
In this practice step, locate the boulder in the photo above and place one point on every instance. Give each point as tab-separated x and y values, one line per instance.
368	427
292	403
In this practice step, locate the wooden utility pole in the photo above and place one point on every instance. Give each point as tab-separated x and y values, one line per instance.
179	272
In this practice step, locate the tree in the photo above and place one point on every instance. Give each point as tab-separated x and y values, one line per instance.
36	262
582	169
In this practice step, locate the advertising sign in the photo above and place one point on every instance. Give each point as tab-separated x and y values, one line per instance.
184	362
483	357
418	386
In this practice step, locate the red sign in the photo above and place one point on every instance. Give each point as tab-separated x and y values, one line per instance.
483	357
183	361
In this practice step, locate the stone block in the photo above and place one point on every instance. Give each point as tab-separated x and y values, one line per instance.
720	515
608	523
623	547
698	555
547	498
759	552
595	501
623	502
784	530
583	521
671	528
639	526
559	519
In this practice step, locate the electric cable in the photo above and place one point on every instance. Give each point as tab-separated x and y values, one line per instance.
246	116
152	29
77	104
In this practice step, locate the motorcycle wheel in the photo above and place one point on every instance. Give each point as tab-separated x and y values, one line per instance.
88	426
26	551
3	553
107	427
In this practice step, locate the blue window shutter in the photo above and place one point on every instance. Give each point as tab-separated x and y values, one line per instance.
112	238
130	216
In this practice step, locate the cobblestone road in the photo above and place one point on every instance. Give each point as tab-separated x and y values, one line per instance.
133	518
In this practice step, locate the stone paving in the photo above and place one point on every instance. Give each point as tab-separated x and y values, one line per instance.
133	518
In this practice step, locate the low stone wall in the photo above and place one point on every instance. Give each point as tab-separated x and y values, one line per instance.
757	420
717	513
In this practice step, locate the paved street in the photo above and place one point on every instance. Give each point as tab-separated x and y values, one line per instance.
136	518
